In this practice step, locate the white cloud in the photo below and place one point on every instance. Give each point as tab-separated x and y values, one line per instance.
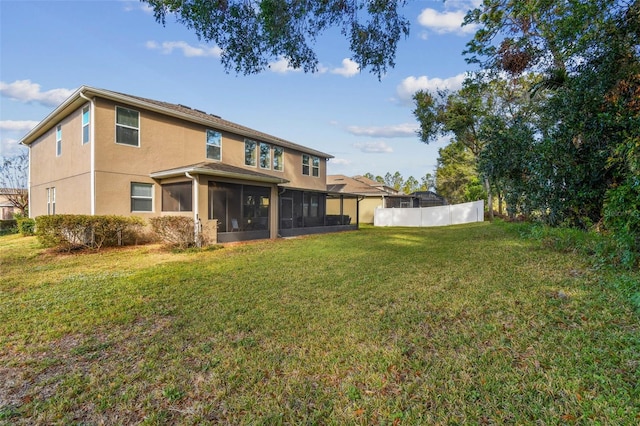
411	85
26	91
129	6
17	126
349	68
340	161
450	20
281	66
167	47
373	147
399	130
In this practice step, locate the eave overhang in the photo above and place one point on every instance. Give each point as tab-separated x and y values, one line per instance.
218	170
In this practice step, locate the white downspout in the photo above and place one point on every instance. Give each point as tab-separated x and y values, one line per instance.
29	185
196	208
92	148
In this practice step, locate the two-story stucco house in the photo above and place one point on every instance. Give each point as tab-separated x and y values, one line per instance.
102	152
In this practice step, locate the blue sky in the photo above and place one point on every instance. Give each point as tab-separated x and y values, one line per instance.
50	48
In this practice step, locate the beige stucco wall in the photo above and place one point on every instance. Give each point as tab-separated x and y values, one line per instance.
69	173
165	143
368	207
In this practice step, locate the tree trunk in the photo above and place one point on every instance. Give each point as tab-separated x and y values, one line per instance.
487	187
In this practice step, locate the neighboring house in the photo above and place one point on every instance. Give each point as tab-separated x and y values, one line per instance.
7	208
415	199
101	152
372	194
375	194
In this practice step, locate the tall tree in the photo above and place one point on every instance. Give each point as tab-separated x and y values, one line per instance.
410	185
394	181
14	175
460	114
457	174
253	33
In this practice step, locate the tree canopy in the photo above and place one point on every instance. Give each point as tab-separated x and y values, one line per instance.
253	33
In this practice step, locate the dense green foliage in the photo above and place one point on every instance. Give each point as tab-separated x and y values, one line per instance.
342	328
251	34
553	118
26	225
68	232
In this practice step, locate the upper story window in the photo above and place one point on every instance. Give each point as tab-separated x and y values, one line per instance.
59	140
305	164
127	126
278	158
265	156
310	165
214	145
250	152
86	118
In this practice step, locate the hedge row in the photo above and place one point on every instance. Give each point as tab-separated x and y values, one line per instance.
68	232
175	231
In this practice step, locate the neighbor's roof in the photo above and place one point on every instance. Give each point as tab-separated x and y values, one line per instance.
345	184
80	96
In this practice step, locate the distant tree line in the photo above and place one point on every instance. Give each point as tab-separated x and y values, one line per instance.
411	184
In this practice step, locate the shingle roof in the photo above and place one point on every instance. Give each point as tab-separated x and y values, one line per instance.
219	169
342	183
184	112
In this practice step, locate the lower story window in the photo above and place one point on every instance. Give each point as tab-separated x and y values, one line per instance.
51	200
141	197
177	197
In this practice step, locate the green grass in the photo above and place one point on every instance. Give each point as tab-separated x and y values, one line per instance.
460	325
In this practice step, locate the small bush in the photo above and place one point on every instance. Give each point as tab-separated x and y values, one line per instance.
68	232
8	227
175	231
26	226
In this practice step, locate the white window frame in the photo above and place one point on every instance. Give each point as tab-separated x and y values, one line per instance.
127	127
207	144
51	201
58	140
315	169
268	162
255	152
141	197
306	164
281	150
86	125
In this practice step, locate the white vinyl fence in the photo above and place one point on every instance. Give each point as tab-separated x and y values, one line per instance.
430	216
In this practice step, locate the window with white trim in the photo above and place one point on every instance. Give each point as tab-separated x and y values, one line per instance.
278	158
265	155
250	148
141	197
127	126
305	164
86	118
315	166
59	140
51	200
214	145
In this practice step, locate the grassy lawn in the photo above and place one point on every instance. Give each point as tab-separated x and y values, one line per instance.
458	325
